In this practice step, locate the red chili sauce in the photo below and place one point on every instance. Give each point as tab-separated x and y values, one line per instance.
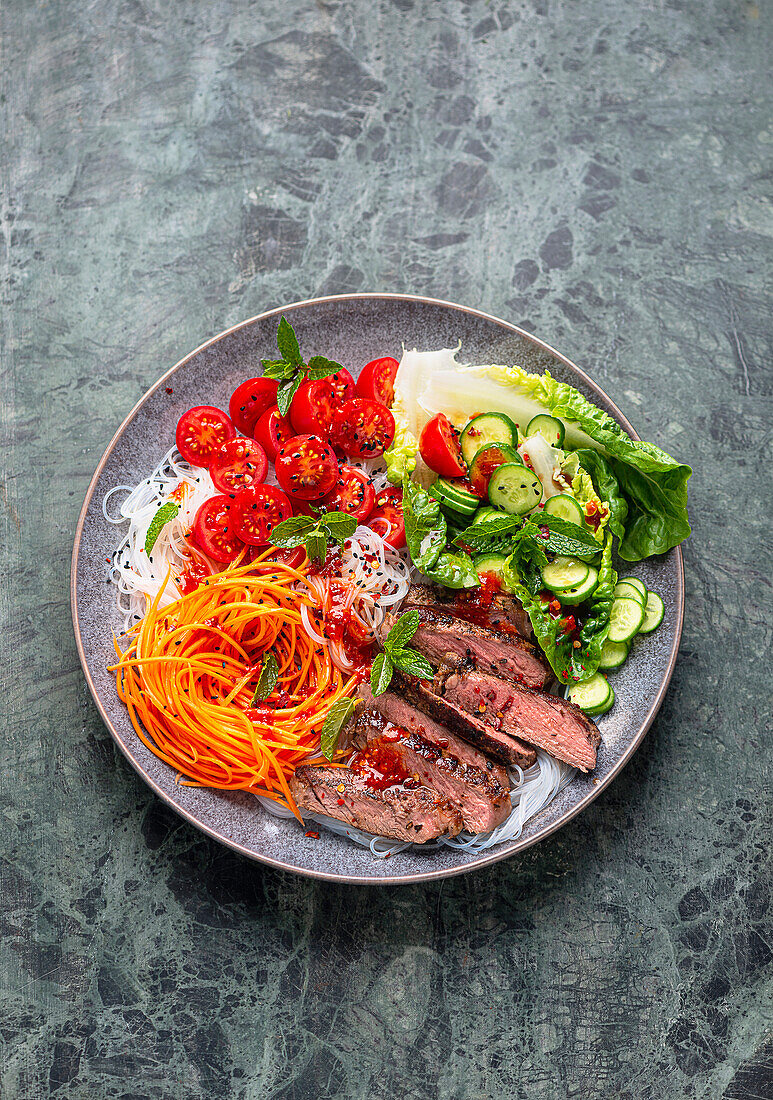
379	764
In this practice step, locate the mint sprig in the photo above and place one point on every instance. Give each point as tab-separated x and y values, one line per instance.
165	513
335	720
314	534
267	681
398	655
291	370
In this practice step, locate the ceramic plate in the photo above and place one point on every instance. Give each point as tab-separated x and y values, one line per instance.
352	329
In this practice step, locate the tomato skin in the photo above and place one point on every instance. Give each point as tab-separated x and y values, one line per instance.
292	558
362	428
256	510
377	380
353	493
250	400
387	518
272	431
312	408
213	529
237	463
440	449
306	467
200	431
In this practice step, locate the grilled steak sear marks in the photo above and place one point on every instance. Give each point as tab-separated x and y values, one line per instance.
495	743
484	801
416	815
441	637
554	724
497	612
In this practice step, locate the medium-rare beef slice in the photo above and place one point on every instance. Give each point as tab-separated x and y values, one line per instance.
417	815
483	800
500	612
554	724
495	743
440	637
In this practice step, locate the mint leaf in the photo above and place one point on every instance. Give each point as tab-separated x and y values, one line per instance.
567	538
339	525
160	519
335	720
286	393
277	368
292	532
381	674
287	342
316	546
414	663
320	367
402	632
269	675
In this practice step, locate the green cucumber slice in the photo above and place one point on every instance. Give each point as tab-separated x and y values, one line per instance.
580	592
613	654
484	513
653	613
455	497
625	620
627	591
548	427
594	696
565	573
484	429
488	459
565	507
510	575
637	584
514	489
491	563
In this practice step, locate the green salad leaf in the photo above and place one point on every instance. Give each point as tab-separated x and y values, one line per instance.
426	534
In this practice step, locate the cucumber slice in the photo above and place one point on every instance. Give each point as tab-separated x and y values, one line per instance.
484	513
491	563
484	429
613	654
486	460
579	592
627	591
625	619
510	575
565	507
454	497
514	489
637	584
653	613
548	427
594	696
565	573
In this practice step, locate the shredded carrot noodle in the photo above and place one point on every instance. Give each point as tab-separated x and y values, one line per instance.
189	676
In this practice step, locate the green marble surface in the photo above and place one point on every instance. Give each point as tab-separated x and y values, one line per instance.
597	171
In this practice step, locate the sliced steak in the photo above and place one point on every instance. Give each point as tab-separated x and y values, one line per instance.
554	724
495	743
417	815
497	611
484	801
441	637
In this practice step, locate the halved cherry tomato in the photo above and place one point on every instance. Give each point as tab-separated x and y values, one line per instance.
200	431
237	463
272	430
256	510
387	518
377	380
353	493
439	447
250	400
362	428
312	408
214	530
306	467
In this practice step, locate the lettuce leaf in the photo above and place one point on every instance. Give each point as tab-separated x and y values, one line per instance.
400	458
600	472
426	534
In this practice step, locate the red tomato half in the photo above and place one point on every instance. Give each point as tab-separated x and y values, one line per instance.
237	463
251	399
377	380
353	493
306	467
256	510
293	558
312	408
387	519
439	448
362	428
213	529
272	430
200	431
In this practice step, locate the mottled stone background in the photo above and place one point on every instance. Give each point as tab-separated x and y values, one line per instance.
597	171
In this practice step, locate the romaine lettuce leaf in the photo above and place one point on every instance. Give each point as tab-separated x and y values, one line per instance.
426	534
